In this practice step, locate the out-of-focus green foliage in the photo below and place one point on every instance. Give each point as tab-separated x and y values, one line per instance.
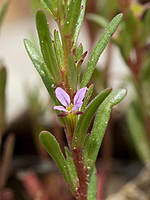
3	11
133	42
138	132
2	97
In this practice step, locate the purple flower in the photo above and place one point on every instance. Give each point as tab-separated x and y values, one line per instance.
64	99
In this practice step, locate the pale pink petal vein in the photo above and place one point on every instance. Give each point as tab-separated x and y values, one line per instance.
61	108
77	106
62	96
80	95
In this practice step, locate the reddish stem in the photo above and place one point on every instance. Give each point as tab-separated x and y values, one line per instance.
136	65
82	174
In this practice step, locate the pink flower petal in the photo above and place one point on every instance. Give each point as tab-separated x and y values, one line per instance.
62	96
61	108
80	95
77	106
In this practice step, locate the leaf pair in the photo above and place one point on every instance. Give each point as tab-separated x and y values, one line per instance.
66	166
70	16
91	145
93	141
85	119
47	65
47	48
54	57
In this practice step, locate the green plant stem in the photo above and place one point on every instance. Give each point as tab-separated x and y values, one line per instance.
66	43
145	117
136	66
82	174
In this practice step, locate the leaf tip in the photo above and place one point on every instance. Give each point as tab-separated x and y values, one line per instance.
25	41
120	95
120	15
39	12
124	92
42	134
109	89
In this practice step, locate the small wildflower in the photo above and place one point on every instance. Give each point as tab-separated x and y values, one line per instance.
65	100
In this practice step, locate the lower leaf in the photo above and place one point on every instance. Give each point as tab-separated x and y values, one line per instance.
52	147
92	185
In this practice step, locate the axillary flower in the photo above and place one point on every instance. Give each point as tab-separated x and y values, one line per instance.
68	106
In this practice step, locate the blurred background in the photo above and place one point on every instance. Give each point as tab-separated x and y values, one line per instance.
26	170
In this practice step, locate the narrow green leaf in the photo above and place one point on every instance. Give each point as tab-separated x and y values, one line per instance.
138	132
100	20
40	65
52	147
145	74
72	75
67	152
93	144
92	185
43	71
71	167
2	82
61	11
78	67
47	46
54	4
85	119
59	51
72	17
79	52
128	27
145	26
79	22
3	11
2	97
111	28
87	97
48	6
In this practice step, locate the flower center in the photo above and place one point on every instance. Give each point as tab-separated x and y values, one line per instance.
69	108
